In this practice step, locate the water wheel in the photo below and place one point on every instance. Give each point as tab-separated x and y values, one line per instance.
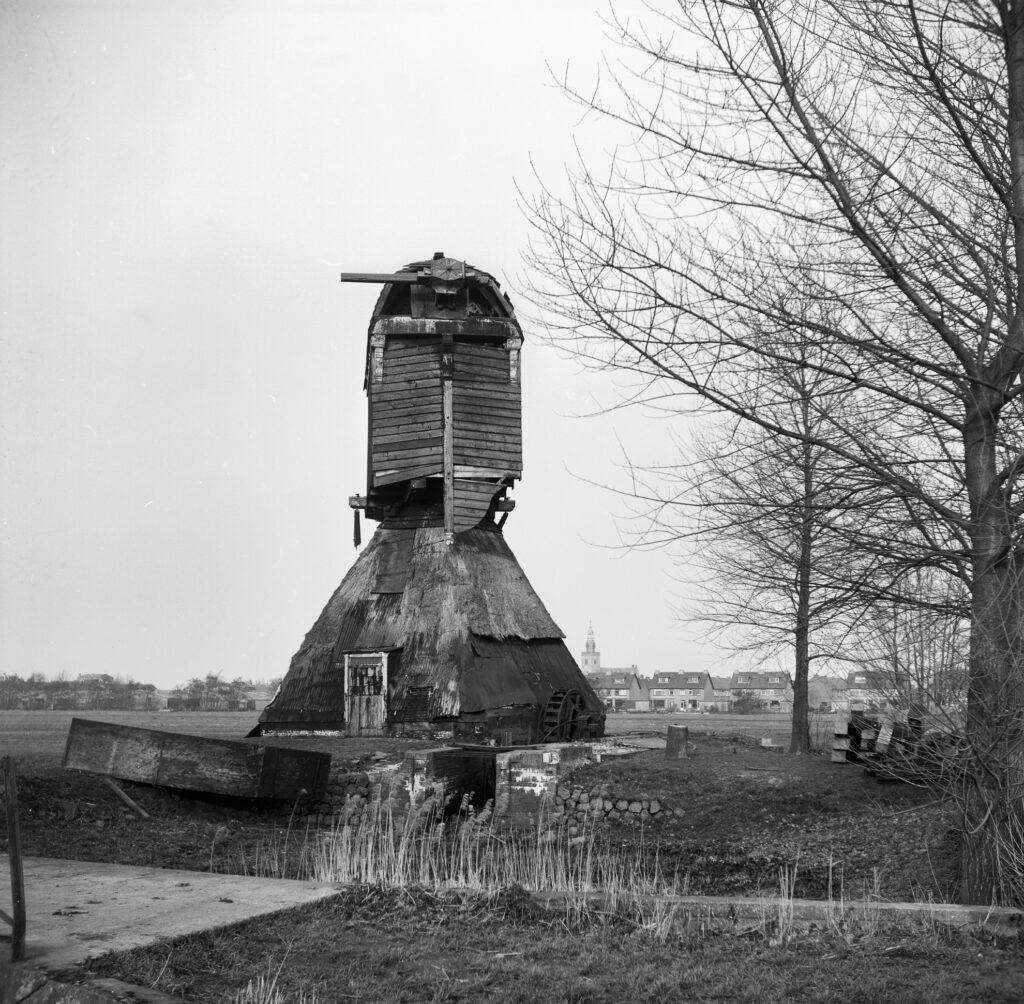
560	721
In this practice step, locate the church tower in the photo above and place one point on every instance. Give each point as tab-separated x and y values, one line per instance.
590	658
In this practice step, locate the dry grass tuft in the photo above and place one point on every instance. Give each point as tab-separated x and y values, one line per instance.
420	849
265	988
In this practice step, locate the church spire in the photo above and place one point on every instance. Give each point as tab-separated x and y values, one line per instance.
590	658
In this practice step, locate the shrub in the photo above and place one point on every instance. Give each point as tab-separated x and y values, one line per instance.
747	703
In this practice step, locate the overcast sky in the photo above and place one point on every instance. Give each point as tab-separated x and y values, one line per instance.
182	409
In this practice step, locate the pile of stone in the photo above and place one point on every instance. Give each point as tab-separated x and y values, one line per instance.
348	792
576	807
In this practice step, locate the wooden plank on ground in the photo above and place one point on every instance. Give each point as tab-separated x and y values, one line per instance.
194	763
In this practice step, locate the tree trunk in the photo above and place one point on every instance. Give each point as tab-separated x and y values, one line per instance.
992	862
992	857
800	739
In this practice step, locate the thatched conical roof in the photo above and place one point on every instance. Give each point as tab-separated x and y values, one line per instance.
465	628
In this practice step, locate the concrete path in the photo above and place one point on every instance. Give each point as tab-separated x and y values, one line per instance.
78	910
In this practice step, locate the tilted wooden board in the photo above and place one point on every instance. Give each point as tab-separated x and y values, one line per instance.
194	763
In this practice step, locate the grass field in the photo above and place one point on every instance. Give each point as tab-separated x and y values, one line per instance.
405	945
778	726
39	736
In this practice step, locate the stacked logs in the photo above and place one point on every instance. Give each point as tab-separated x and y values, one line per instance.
577	807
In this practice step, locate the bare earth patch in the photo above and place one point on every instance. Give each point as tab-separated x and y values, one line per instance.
747	812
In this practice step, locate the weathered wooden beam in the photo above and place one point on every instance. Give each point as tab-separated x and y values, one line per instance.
17	918
381	277
498	328
377	357
194	763
125	797
496	473
677	743
449	465
393	475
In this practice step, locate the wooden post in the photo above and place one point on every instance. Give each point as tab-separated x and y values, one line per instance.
17	867
376	357
676	742
449	464
125	797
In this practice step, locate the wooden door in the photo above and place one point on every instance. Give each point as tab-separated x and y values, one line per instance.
366	688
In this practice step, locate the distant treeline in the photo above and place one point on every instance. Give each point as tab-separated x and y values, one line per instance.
104	692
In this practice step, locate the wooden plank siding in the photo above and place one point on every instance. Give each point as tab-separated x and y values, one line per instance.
472	500
487	410
408	428
406	422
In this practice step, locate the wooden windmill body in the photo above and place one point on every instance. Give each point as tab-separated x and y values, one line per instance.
435	627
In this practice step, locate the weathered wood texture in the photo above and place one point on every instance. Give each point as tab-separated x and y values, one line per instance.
487	409
413	420
487	329
364	715
449	462
677	742
124	797
471	501
406	420
17	916
194	763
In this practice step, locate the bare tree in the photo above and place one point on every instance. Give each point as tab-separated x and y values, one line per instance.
780	571
887	138
779	580
918	648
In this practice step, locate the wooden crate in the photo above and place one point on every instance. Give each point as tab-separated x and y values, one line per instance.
195	763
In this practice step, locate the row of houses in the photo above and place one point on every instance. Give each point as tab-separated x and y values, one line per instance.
624	689
627	690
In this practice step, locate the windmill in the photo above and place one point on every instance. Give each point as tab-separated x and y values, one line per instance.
436	628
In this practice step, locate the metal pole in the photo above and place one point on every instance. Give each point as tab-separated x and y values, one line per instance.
17	868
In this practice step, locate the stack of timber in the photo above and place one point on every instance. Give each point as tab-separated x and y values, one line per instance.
888	751
854	737
900	754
